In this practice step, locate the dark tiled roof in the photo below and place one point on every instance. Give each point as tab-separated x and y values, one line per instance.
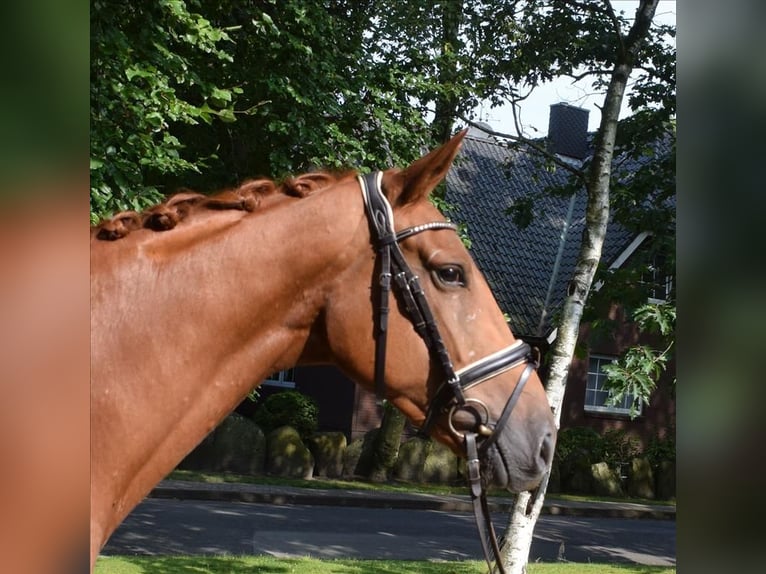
519	263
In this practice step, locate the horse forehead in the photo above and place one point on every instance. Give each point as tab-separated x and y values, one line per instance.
416	213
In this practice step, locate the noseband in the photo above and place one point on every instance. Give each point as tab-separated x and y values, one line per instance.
450	397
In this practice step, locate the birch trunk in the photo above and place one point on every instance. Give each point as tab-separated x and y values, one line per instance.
523	517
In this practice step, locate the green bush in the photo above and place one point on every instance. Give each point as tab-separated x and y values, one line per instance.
579	442
586	445
578	448
288	408
661	449
619	448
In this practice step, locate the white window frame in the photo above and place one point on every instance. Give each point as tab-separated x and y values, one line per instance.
658	281
594	384
283	379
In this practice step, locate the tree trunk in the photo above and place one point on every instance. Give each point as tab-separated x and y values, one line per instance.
385	448
523	517
447	101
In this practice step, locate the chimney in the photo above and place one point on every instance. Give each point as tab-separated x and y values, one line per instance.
568	131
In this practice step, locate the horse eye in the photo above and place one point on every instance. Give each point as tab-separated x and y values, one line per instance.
451	275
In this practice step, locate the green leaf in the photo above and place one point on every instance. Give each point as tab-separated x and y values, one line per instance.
136	72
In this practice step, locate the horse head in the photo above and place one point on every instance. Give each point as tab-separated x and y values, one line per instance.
450	361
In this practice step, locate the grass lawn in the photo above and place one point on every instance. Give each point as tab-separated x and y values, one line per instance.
269	565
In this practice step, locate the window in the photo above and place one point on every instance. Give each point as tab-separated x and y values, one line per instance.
284	379
595	394
659	280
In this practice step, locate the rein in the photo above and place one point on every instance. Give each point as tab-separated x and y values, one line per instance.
450	397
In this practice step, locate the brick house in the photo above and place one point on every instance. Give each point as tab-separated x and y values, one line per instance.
528	270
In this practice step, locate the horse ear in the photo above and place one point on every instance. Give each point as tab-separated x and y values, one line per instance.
419	179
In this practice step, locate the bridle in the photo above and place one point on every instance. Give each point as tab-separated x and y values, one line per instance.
450	397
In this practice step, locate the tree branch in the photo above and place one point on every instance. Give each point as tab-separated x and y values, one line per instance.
639	30
578	77
579	173
516	122
607	11
616	24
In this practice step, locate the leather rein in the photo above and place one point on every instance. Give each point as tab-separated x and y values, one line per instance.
450	397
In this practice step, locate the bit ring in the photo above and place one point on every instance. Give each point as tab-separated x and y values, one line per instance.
481	428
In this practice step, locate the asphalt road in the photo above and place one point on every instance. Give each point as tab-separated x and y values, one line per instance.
160	527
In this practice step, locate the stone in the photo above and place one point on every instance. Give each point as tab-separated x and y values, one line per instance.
641	479
410	464
286	455
441	465
605	481
202	457
364	462
351	457
237	445
328	450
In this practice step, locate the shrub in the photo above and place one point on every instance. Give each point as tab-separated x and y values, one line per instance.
288	408
581	447
613	447
579	442
661	449
619	448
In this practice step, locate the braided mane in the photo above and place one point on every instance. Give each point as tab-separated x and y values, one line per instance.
185	202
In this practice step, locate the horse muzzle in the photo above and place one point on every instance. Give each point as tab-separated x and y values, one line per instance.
517	461
515	448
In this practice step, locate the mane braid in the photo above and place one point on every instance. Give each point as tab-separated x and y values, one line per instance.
167	215
247	197
308	183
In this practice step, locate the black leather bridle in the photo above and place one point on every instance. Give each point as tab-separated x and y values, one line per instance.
450	397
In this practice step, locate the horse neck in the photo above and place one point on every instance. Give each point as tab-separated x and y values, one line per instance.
242	274
184	328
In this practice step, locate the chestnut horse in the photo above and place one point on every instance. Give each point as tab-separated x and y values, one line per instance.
185	322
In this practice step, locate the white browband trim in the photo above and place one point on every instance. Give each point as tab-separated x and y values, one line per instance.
490	358
384	199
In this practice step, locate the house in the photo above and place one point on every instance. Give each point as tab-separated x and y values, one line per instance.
528	270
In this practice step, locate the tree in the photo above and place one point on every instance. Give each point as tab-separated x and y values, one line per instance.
148	64
314	96
206	93
378	459
637	372
614	54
